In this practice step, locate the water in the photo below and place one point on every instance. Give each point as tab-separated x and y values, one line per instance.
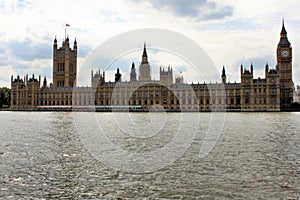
50	155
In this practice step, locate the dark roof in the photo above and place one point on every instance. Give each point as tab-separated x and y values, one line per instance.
284	41
283	31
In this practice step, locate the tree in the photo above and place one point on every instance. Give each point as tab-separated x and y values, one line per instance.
4	97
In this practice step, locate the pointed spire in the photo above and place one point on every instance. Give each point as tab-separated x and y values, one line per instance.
75	45
223	75
267	67
284	42
283	31
145	56
132	66
223	71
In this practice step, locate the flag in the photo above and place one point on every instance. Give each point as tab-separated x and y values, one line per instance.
67	25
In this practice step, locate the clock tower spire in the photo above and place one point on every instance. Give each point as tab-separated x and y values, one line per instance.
284	68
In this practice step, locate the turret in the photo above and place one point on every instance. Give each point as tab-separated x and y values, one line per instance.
223	75
145	56
75	45
241	68
132	73
266	69
55	42
118	76
45	82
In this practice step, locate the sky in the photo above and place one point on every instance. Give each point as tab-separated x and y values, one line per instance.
231	33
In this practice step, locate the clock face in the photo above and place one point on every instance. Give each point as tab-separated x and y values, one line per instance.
284	53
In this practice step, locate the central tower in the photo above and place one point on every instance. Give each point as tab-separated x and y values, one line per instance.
64	64
284	67
144	71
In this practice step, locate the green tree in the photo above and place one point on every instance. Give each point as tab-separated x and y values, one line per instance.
4	97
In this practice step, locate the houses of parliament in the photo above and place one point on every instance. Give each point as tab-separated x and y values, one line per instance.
274	92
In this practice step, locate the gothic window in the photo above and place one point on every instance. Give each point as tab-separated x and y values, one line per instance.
247	91
273	91
247	101
273	100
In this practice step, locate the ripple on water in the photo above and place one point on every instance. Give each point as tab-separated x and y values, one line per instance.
256	156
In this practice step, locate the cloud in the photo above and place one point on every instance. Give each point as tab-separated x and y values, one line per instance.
196	9
110	16
219	14
28	51
84	50
13	6
258	62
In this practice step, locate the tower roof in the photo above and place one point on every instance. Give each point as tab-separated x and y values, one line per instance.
283	36
145	56
223	71
283	31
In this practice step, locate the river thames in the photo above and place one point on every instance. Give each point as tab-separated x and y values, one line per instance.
154	156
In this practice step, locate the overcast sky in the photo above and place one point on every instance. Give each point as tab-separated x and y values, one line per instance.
230	32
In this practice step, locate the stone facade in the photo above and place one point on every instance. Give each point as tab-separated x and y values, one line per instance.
273	92
297	94
64	64
144	72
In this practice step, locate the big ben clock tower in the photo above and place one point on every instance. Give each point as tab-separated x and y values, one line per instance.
284	67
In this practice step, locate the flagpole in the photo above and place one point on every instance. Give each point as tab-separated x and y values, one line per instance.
67	25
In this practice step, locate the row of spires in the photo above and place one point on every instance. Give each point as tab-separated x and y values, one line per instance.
283	41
